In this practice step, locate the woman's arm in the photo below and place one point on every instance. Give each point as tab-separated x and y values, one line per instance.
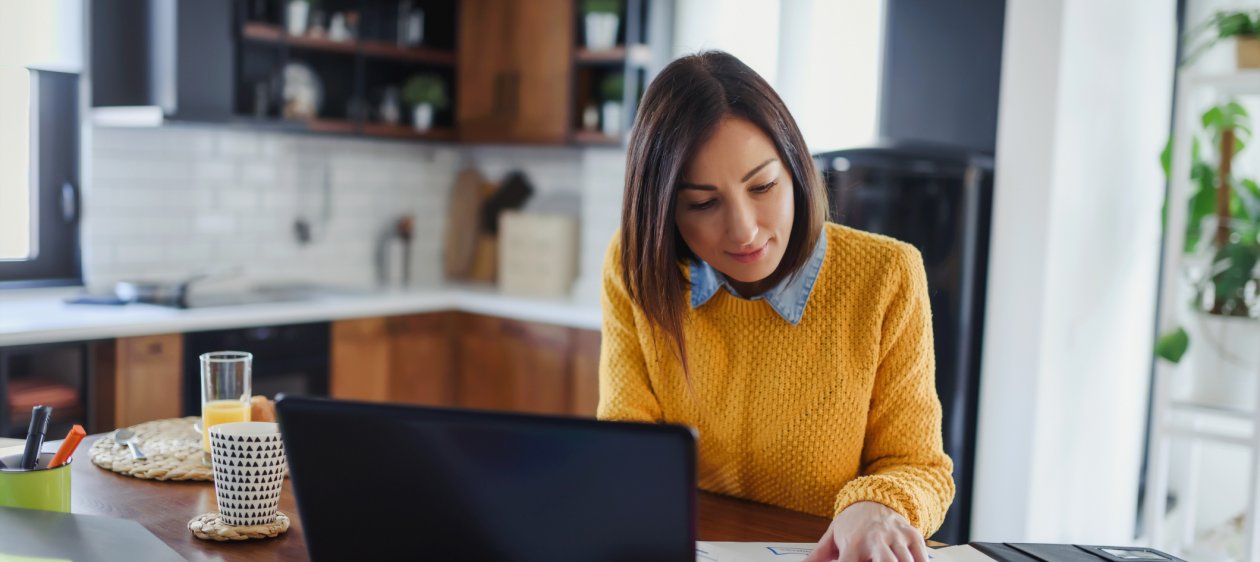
904	465
625	392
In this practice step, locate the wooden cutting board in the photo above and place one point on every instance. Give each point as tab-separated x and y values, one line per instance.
486	258
462	224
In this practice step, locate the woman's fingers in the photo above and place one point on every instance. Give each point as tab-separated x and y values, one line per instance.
871	553
919	549
826	549
902	552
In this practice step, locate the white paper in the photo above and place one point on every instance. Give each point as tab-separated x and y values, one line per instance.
707	551
752	551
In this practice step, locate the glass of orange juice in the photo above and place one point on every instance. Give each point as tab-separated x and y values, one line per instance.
225	393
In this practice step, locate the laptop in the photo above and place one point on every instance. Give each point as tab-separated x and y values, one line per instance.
381	481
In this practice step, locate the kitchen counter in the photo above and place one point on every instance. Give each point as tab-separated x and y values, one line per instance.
44	317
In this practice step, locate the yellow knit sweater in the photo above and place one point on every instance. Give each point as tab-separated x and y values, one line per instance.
839	409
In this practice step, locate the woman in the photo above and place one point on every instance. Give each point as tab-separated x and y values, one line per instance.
801	350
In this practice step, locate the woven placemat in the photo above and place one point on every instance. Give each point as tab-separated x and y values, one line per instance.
210	527
172	448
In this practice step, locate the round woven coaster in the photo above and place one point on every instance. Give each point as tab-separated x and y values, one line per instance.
172	448
210	527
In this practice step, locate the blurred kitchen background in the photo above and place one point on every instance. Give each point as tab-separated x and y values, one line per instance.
409	200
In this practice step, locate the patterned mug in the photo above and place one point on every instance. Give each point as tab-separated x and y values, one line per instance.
249	466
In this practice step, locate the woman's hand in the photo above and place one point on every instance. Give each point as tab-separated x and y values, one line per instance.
870	532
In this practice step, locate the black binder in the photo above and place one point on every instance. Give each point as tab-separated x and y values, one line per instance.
1041	552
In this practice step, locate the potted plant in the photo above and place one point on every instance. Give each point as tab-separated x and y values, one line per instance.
425	93
601	19
1222	243
611	90
1242	26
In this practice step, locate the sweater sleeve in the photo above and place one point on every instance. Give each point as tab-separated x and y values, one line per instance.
904	465
625	391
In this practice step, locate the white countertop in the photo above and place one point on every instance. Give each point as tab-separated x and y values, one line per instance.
44	317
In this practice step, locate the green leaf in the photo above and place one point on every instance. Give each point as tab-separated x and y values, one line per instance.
1166	159
1213	117
602	6
1232	267
1173	345
1232	25
426	88
1202	203
612	87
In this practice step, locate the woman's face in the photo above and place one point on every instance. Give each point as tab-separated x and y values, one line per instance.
735	204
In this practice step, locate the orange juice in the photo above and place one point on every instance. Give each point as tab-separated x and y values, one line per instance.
216	412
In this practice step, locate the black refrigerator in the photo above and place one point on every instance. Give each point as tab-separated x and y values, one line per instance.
937	198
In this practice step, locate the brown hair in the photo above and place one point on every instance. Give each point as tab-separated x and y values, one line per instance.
679	112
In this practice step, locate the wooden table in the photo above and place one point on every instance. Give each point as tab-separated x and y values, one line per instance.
165	508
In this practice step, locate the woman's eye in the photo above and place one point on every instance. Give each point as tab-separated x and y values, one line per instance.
702	205
764	187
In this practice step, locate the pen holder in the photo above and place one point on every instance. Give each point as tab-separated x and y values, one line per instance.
43	488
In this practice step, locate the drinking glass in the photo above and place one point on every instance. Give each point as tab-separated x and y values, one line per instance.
225	393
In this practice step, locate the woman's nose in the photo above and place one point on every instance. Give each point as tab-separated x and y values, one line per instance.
741	224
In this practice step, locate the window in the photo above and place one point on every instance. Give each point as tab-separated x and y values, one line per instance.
39	145
823	57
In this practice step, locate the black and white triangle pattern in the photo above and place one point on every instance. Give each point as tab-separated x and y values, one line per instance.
248	476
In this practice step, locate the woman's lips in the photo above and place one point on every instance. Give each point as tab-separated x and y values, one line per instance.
752	256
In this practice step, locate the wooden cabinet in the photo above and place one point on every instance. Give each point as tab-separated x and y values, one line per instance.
138	379
422	359
584	366
467	360
359	367
514	73
513	365
406	359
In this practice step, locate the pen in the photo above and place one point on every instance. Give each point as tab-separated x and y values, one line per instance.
35	436
68	446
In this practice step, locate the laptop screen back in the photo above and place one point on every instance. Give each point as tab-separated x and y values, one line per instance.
432	484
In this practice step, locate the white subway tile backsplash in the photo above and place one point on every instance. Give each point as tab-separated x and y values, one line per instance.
159	167
214	223
172	200
187	253
137	252
237	199
258	173
214	171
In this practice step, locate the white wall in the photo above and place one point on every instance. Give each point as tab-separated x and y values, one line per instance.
1084	112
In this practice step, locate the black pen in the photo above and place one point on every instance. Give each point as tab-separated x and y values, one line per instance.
35	436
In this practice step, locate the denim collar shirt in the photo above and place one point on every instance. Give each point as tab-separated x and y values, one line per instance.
788	298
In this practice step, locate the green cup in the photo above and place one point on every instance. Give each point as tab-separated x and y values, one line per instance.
43	488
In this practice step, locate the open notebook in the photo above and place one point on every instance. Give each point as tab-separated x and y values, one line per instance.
707	551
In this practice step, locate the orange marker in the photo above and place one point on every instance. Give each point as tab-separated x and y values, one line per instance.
68	446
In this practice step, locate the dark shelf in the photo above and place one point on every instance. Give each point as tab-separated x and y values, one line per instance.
406	132
321	44
319	125
261	32
330	125
380	49
266	33
594	138
616	55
